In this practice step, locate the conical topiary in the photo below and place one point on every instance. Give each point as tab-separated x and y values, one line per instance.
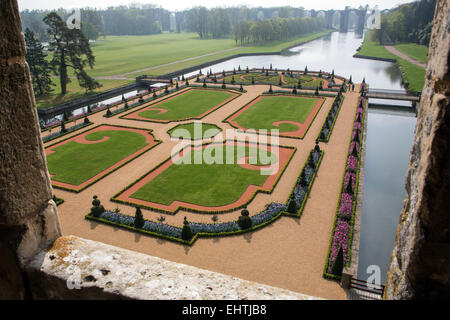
63	127
86	120
204	83
338	265
292	206
186	232
138	218
349	188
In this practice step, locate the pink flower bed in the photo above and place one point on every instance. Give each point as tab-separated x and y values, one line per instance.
346	204
352	162
347	178
340	239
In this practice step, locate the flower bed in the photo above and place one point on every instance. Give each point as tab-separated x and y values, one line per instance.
304	183
328	125
169	232
342	232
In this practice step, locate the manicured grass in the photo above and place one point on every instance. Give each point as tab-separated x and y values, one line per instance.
190	104
75	163
415	51
194	131
74	91
415	75
202	184
268	110
121	54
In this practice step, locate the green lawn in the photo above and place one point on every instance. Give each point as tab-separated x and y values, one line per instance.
75	163
194	131
415	75
202	184
187	105
415	51
121	54
268	110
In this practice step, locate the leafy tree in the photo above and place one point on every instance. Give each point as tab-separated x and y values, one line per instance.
39	67
70	49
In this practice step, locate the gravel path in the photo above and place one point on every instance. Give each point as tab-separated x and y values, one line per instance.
289	253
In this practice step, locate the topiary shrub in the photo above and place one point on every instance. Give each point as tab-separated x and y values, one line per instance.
97	208
294	91
204	83
166	89
232	80
108	112
86	120
292	206
141	100
253	80
187	82
244	221
186	232
89	110
126	104
246	70
241	88
317	91
270	89
154	94
223	84
338	265
176	85
316	147
123	98
138	218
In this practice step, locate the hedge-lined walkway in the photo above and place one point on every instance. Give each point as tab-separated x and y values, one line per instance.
289	253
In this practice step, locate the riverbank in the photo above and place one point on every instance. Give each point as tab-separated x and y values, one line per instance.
412	74
167	58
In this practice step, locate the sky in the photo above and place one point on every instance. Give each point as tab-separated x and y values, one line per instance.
177	5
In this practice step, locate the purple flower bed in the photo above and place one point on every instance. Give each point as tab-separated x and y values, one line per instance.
346	204
347	178
340	239
342	229
352	162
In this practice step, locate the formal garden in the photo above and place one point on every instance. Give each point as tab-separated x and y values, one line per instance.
208	177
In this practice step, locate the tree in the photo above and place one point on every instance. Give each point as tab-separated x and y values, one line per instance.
70	48
186	232
292	206
39	67
244	221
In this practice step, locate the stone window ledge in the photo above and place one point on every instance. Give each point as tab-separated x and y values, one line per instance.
76	268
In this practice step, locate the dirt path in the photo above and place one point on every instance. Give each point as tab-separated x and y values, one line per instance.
393	50
288	254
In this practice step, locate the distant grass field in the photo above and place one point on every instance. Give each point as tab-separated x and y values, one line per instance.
202	184
122	54
268	110
415	51
195	131
75	163
415	75
187	105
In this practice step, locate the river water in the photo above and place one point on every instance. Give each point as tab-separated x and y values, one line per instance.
389	135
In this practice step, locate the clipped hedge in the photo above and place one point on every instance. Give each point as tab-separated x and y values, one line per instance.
60	134
342	201
330	130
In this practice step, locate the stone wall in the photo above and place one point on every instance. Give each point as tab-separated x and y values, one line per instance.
28	218
420	262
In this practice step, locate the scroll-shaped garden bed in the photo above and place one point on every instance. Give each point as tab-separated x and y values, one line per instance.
83	159
293	207
292	115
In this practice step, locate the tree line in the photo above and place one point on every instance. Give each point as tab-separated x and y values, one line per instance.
410	22
275	29
146	19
